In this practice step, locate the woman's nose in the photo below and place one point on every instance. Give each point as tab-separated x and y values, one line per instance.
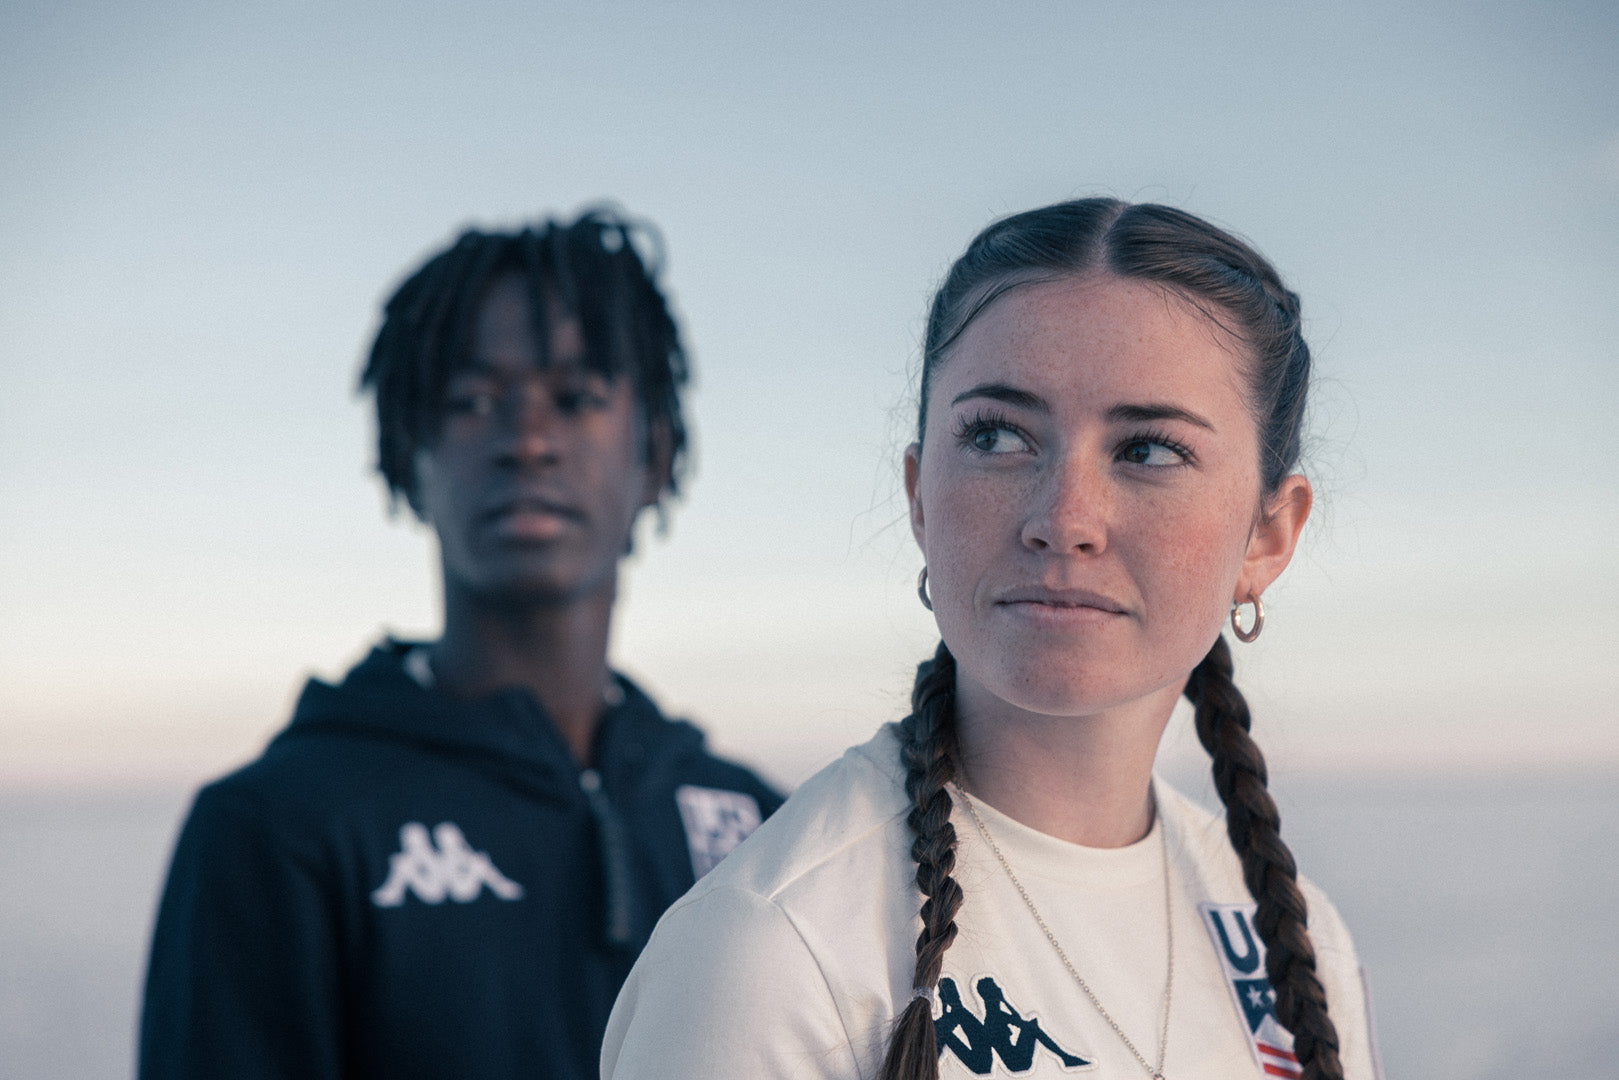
1068	509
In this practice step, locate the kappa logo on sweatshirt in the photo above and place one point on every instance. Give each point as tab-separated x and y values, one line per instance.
1003	1036
450	870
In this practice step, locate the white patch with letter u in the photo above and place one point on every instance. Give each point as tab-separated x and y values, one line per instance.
1242	958
716	821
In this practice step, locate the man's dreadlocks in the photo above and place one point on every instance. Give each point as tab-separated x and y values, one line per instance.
588	270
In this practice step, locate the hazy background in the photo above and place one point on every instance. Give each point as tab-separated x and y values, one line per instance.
201	208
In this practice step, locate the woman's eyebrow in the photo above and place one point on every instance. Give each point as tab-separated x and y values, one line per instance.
1137	413
1011	395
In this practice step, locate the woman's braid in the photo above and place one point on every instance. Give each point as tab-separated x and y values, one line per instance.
1267	865
928	748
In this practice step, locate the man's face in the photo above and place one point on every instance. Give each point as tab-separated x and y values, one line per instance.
536	475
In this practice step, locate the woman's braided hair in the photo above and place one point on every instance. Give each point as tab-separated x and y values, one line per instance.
928	749
1235	287
589	269
1267	865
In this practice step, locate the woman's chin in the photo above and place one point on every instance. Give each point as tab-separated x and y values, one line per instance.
1042	688
1042	695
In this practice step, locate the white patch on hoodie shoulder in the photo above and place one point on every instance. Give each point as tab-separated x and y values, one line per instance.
716	821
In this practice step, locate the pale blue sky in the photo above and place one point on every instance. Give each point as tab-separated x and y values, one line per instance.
203	206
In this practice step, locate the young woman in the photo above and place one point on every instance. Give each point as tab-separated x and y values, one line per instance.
1103	478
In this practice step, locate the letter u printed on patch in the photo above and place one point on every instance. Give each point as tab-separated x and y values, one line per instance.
1242	958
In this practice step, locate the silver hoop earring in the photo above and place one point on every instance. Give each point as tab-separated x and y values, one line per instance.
922	589
1259	619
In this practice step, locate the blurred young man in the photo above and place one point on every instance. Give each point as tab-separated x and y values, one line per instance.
446	864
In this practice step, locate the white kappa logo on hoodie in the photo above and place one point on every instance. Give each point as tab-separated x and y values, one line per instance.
451	870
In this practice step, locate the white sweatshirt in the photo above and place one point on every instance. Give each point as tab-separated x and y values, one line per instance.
795	956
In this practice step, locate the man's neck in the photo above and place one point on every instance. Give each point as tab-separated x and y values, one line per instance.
557	652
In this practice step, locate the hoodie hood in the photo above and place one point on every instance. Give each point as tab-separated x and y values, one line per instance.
379	698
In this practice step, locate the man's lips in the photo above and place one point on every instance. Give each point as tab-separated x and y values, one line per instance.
531	518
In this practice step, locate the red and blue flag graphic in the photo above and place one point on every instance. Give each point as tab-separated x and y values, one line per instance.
1242	957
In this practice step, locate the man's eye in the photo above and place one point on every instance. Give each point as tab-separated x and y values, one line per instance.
471	402
578	399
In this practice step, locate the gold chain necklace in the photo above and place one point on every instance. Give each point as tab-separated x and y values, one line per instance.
1169	925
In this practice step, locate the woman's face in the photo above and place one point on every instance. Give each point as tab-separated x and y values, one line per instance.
1087	495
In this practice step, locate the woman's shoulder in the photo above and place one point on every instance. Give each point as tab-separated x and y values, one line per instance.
846	811
1204	857
1198	837
770	939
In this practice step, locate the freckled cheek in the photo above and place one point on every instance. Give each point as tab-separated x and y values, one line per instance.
968	527
1193	562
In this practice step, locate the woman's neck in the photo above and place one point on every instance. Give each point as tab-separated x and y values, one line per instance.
1085	779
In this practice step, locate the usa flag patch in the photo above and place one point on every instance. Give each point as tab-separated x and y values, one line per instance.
1242	957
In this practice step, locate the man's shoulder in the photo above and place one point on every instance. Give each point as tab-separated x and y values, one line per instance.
330	762
674	753
296	786
312	761
707	769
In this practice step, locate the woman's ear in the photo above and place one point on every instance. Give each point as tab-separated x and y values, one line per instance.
1274	536
913	492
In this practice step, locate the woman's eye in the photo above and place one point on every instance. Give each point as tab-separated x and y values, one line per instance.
995	439
1152	453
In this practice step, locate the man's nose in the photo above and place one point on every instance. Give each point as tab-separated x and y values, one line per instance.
531	421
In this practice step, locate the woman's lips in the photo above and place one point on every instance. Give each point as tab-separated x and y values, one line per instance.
1061	599
1061	606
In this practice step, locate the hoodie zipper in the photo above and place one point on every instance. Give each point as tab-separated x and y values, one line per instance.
612	843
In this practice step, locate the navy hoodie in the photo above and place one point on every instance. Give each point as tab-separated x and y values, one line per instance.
409	885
